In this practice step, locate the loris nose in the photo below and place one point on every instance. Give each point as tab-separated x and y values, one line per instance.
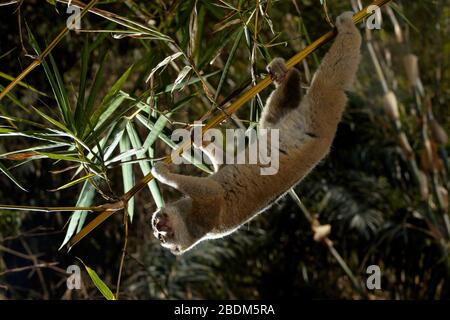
162	224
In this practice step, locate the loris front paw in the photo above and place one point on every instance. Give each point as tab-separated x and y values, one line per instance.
170	228
344	22
277	70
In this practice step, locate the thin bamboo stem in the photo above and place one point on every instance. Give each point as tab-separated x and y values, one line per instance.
50	209
124	252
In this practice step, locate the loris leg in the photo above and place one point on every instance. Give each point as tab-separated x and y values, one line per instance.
326	97
213	150
195	187
286	96
339	66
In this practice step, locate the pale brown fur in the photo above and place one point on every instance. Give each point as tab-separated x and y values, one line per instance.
219	204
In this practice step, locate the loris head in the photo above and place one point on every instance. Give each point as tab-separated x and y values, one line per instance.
169	226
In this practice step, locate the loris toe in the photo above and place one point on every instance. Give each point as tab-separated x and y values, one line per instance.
277	70
345	21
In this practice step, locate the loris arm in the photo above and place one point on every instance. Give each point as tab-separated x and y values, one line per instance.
214	152
326	98
195	187
338	68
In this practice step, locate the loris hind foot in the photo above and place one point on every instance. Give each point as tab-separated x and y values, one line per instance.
344	23
277	70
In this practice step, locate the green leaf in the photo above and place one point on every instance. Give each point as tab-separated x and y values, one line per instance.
14	100
112	100
398	10
87	119
144	165
124	155
127	174
56	82
10	176
157	128
101	286
116	135
26	150
57	156
77	218
173	145
74	182
52	121
63	101
109	115
192	80
82	88
228	63
49	137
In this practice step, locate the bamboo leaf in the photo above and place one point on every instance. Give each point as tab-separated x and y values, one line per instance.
56	156
108	116
89	107
64	98
51	120
78	217
183	74
192	80
55	81
101	286
228	63
115	88
145	167
10	176
74	182
163	63
173	145
116	137
127	174
82	88
124	155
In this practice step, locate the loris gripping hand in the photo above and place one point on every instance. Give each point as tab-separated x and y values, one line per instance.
217	205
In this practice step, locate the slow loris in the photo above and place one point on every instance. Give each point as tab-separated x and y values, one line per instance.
217	205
